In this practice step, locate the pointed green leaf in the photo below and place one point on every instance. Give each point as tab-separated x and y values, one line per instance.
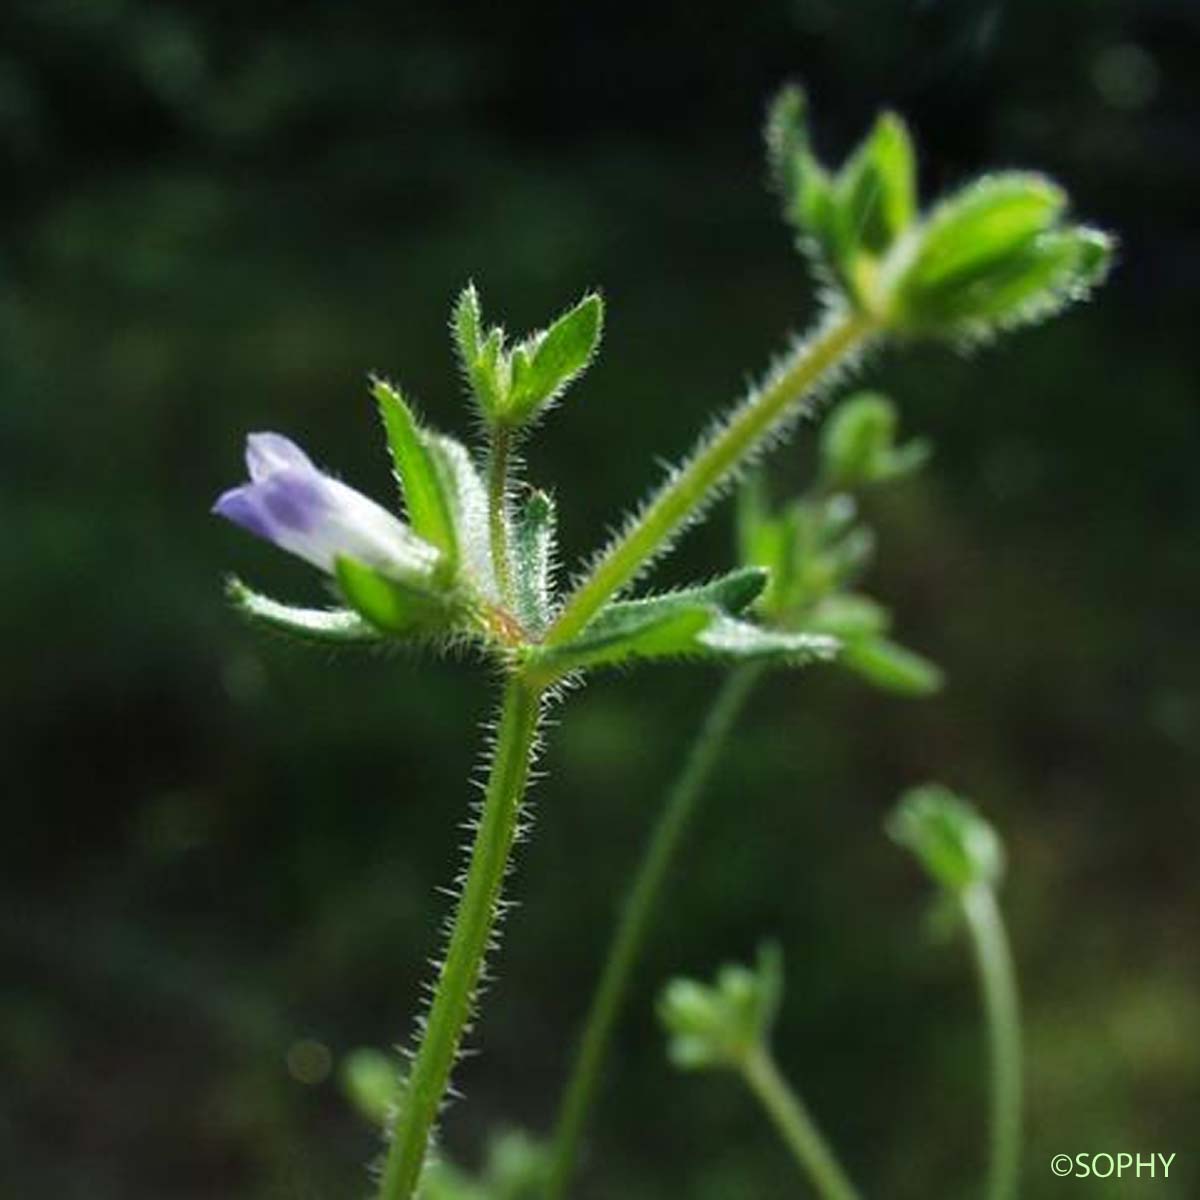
848	616
994	256
1050	272
951	840
981	225
740	640
533	560
429	505
392	606
337	627
858	443
732	593
753	511
677	626
876	193
467	326
462	484
544	366
480	355
660	632
891	667
803	184
370	1080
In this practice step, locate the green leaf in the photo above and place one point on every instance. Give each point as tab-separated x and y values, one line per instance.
992	256
740	640
462	485
430	510
876	192
1039	279
543	366
337	627
773	543
661	631
858	443
466	325
533	560
732	593
804	186
950	839
390	605
981	225
890	666
690	623
370	1080
848	616
517	1166
752	513
481	356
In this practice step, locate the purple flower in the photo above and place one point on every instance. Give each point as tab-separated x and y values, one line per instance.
290	502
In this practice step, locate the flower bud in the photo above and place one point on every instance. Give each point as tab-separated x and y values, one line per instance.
955	845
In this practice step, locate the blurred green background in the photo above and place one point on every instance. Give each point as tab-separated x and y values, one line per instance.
217	218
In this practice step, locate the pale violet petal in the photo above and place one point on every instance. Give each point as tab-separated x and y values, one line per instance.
318	518
267	453
366	531
242	506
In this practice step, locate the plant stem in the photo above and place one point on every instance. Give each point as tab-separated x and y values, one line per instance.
998	983
498	464
718	454
630	936
796	1126
474	922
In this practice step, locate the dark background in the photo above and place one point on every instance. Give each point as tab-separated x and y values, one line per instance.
218	217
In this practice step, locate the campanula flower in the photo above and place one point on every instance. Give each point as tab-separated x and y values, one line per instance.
292	503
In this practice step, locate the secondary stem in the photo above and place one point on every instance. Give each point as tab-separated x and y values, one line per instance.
998	983
630	936
715	458
796	1126
498	463
474	922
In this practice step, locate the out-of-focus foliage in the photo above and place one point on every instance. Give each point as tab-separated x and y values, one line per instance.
219	852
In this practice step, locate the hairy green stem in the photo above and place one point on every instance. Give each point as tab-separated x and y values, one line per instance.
474	922
717	455
633	926
998	983
796	1126
498	466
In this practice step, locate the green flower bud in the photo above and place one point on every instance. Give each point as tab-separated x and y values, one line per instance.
992	256
719	1025
957	847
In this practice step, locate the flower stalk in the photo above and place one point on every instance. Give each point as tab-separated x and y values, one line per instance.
998	984
629	940
796	1126
474	923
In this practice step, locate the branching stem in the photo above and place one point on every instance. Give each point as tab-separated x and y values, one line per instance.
474	922
716	457
630	937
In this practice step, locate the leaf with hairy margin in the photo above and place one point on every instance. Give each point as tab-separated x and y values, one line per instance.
320	626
